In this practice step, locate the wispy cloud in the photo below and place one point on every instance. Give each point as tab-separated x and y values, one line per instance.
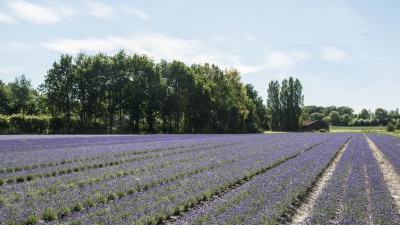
7	19
333	54
283	60
156	45
101	10
137	12
39	14
105	11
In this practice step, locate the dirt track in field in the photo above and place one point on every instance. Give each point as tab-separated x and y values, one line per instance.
307	204
389	173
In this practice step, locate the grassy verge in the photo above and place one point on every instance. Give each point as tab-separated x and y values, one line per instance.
377	129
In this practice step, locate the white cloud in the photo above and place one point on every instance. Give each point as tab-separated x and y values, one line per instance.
137	13
282	60
158	46
333	54
39	14
7	19
101	10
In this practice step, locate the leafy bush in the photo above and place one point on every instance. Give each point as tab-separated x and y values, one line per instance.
4	124
390	127
398	125
30	124
24	124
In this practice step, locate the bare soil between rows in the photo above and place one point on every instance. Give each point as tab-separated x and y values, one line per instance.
308	202
302	207
391	177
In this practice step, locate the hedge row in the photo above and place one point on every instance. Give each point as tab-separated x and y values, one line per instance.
28	124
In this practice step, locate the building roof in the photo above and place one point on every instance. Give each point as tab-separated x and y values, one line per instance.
307	123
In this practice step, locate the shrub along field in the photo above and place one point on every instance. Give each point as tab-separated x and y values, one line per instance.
194	179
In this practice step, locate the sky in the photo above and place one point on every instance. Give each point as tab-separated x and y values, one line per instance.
344	52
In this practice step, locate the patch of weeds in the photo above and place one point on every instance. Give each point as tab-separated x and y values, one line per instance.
2	201
102	199
30	177
49	214
20	179
78	207
32	219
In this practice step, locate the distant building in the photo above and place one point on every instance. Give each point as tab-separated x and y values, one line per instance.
310	125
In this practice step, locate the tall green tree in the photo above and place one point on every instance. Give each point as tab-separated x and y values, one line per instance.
256	120
381	115
335	118
274	105
237	100
345	110
364	114
317	116
20	94
219	104
310	109
118	75
201	101
60	89
285	104
180	81
4	98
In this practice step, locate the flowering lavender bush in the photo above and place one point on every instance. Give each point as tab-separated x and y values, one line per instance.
147	179
357	193
390	147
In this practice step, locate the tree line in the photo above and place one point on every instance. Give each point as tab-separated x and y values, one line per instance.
132	94
125	93
345	116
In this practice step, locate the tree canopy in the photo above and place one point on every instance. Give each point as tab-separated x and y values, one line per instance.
133	94
125	93
285	104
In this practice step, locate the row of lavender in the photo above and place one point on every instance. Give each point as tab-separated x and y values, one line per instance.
357	193
34	152
390	147
170	198
54	161
266	198
222	161
162	177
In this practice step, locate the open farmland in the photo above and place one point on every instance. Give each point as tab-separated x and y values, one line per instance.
311	178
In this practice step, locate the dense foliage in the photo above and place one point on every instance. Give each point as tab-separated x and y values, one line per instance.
133	94
344	116
284	103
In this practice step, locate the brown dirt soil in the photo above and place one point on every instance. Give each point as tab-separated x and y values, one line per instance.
390	176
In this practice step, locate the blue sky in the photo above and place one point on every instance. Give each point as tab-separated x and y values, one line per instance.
345	52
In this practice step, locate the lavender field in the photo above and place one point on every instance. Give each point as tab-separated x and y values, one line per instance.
199	179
